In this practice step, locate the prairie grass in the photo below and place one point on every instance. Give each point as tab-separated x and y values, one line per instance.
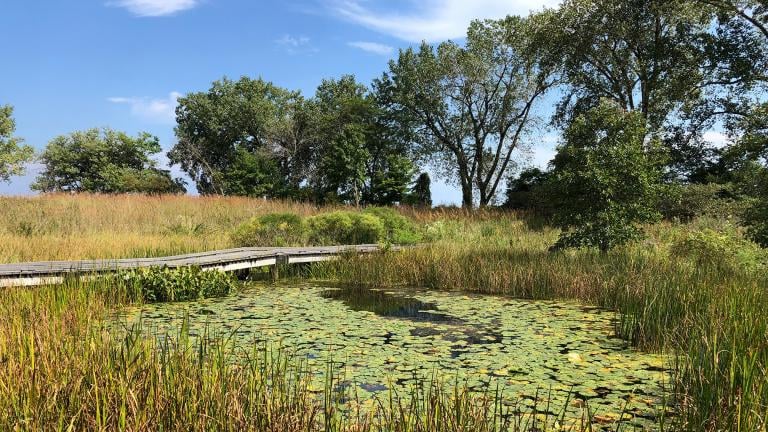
68	227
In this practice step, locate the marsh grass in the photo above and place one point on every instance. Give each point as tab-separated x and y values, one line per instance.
62	369
710	315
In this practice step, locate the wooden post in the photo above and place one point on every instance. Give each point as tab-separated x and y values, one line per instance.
280	260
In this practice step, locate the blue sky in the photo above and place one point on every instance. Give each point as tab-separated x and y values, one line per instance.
77	64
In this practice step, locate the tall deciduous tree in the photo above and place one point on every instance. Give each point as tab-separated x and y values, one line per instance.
232	118
104	161
605	178
468	108
359	156
13	153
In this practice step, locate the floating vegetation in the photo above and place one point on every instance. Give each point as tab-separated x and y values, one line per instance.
386	341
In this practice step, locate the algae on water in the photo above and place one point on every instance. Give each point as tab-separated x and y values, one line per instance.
383	339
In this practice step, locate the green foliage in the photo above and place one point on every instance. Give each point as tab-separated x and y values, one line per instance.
345	227
421	193
755	219
274	229
725	249
217	129
13	154
398	228
684	203
162	284
253	174
605	179
104	161
526	191
467	106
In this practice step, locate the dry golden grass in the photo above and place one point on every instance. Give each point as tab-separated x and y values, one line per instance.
67	227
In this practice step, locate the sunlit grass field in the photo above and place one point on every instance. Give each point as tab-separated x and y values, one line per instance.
695	291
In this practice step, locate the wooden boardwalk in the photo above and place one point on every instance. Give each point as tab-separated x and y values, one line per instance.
53	272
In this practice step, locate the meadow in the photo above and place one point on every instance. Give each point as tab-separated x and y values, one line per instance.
695	292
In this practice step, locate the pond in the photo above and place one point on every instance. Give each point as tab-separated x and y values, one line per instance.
385	338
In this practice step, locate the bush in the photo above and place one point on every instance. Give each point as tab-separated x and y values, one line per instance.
274	229
344	227
684	203
755	218
398	228
161	284
720	249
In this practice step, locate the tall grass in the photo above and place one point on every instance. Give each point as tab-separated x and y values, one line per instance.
712	318
61	369
68	227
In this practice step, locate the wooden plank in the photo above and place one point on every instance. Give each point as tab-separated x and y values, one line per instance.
52	272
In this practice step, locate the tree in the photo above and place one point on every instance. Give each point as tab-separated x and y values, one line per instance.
359	158
235	118
524	192
468	108
605	178
104	161
13	153
421	193
661	58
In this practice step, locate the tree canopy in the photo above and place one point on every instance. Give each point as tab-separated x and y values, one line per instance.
469	107
605	178
14	154
104	161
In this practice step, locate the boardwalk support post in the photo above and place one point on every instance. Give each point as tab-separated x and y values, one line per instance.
280	261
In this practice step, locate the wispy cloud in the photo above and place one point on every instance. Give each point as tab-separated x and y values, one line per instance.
433	20
373	47
155	8
295	44
162	110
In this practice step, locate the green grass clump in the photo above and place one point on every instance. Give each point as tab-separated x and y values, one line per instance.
398	229
162	284
344	227
272	229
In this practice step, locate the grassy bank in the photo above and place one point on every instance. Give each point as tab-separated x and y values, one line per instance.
67	227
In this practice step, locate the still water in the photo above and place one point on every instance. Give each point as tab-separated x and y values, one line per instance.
383	339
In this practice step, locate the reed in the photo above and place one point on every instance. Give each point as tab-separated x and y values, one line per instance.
709	315
62	369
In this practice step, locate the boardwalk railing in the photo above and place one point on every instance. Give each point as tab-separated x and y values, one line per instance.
53	272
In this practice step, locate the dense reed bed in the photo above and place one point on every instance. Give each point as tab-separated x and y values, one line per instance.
707	308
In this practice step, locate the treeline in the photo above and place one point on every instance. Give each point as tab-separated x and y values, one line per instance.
639	85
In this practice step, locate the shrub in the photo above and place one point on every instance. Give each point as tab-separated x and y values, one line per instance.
686	202
274	229
721	249
162	284
344	227
398	228
755	218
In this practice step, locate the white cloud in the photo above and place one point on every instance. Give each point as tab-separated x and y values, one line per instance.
295	44
154	8
434	20
162	111
373	47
